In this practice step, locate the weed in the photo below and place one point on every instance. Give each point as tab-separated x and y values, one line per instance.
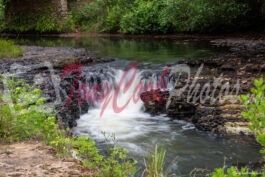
155	163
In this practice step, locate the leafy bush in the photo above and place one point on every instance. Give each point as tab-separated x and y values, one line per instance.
144	17
255	111
255	114
89	17
23	118
8	49
116	163
210	16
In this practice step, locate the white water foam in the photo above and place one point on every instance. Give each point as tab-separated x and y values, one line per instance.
131	123
128	123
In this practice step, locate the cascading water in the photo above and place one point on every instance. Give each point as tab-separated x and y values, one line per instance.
129	122
137	131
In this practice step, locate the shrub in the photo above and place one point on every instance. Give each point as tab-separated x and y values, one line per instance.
89	16
116	163
144	17
23	118
255	111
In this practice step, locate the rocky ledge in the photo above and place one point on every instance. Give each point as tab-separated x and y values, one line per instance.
58	56
208	97
45	65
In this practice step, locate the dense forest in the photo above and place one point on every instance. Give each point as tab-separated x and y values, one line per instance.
146	16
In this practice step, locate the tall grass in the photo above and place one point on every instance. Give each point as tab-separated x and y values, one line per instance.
154	165
9	50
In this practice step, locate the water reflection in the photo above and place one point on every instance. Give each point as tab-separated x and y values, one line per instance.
150	51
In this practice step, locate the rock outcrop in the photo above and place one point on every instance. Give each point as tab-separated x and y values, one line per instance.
46	65
210	97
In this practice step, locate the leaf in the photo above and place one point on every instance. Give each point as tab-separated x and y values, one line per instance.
258	83
253	90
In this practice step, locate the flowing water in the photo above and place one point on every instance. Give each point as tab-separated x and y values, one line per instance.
187	148
137	131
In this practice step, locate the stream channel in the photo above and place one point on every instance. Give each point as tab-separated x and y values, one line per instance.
186	147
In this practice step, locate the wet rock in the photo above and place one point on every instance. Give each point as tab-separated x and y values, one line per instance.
32	66
58	56
68	114
217	108
245	47
155	101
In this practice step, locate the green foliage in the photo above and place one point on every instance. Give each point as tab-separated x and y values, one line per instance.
5	122
46	24
8	49
116	163
144	17
255	111
207	16
234	172
43	20
89	17
25	118
140	16
2	15
159	16
155	163
68	25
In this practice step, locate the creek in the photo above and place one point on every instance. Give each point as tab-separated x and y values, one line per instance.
186	147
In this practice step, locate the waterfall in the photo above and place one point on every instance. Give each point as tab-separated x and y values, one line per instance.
127	122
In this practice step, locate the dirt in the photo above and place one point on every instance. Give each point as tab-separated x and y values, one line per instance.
28	159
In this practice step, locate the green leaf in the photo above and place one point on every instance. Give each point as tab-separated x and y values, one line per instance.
253	90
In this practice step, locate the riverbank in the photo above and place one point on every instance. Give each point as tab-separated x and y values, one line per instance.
35	159
246	36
